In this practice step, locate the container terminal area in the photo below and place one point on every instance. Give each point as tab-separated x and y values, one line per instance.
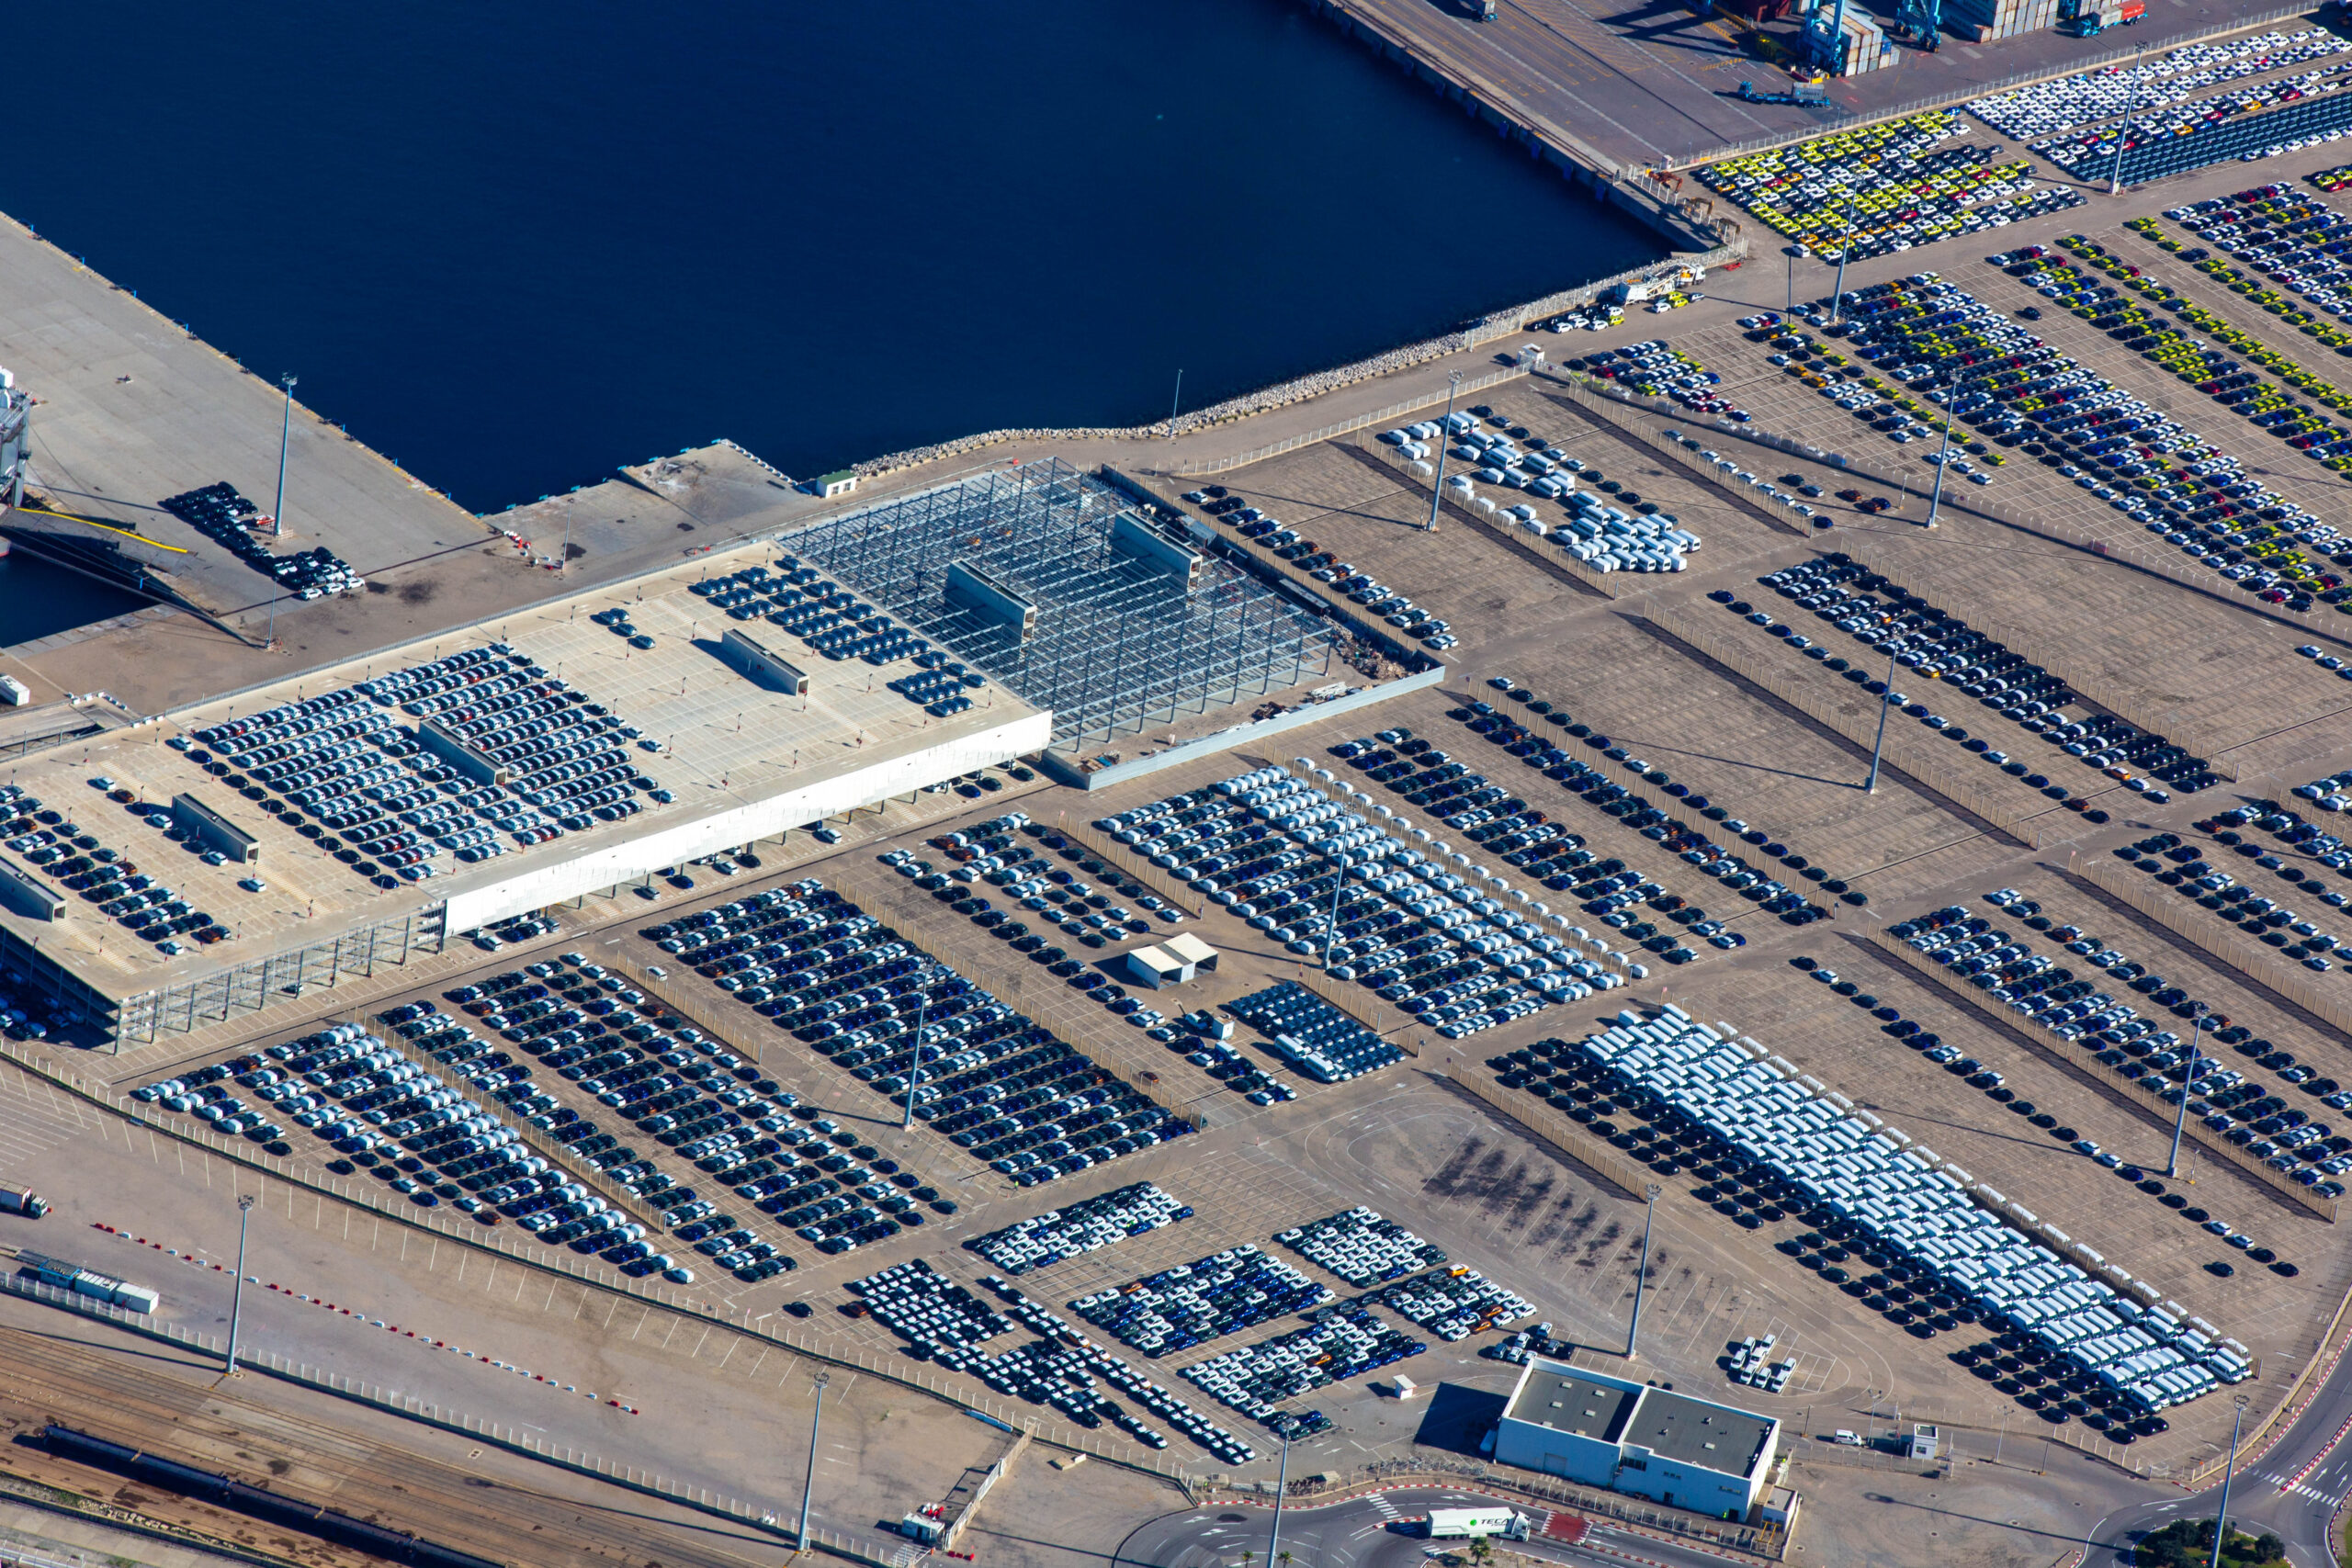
1609	95
1775	867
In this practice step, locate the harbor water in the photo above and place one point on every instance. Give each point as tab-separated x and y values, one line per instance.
513	246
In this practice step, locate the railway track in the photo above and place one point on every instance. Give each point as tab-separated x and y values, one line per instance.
158	1401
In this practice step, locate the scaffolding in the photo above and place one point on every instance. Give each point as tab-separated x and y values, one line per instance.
188	1005
1115	643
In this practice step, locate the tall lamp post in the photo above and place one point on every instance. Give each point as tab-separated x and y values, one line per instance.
2131	106
815	1418
1651	1194
2221	1525
2188	1088
1878	747
1437	493
285	432
1936	492
1282	1485
1845	249
245	1201
914	1060
1340	862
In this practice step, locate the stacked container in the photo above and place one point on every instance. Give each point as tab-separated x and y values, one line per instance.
2003	19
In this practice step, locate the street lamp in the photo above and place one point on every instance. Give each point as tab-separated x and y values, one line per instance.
1845	249
815	1418
1936	492
2221	1525
1340	862
1282	1485
914	1059
1453	390
1650	1194
285	432
2123	134
2187	1088
1878	747
245	1201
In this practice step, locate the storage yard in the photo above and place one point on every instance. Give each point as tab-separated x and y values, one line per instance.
1263	951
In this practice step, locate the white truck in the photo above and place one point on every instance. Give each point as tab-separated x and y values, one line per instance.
1458	1523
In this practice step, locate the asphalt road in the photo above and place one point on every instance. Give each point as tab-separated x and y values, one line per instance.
1376	1531
2293	1487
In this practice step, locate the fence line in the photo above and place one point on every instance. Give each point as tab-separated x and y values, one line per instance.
2221	939
1163	882
1760	1540
2293	1404
1581	391
1200	468
2220	589
1920	576
2069	1056
1544	549
1539	1118
1901	750
439	1223
1350	1005
535	1138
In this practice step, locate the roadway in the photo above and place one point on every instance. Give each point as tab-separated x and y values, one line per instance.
1377	1532
2293	1486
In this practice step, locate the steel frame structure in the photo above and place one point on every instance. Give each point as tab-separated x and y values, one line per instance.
188	1005
1117	644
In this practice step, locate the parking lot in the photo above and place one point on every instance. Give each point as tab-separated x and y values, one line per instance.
1131	1211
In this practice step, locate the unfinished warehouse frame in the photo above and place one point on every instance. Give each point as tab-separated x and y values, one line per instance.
249	986
1043	603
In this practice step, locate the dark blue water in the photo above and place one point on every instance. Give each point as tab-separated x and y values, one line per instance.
37	599
513	247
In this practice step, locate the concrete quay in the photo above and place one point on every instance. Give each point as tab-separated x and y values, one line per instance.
1609	91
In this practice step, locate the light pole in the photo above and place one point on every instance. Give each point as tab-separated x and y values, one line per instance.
1175	399
1878	747
1282	1485
2131	105
1845	249
1936	491
1437	492
1650	1194
245	1201
2187	1088
914	1060
285	432
1340	862
815	1418
2221	1525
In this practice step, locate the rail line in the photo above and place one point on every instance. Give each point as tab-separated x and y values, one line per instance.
168	1407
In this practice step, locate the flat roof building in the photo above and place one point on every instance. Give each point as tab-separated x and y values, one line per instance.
1599	1430
427	793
